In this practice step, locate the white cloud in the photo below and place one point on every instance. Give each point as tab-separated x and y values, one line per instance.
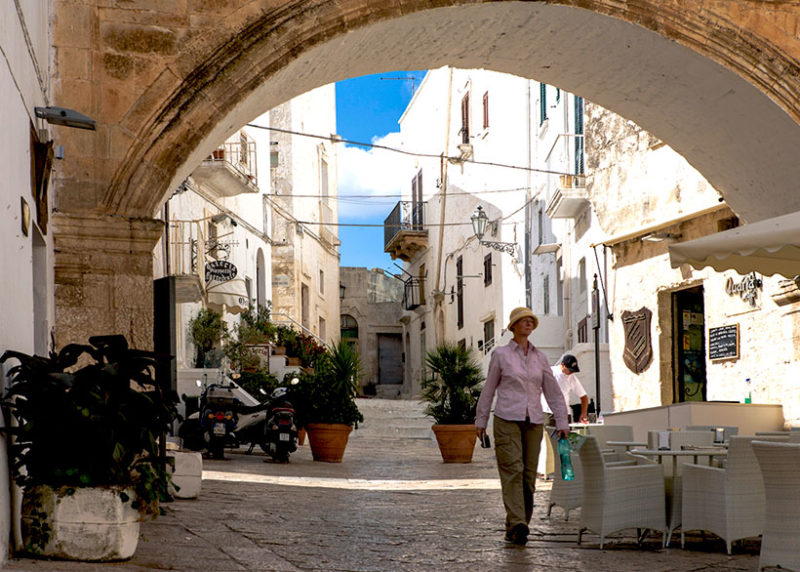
373	172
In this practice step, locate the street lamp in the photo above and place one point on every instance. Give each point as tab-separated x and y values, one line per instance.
479	223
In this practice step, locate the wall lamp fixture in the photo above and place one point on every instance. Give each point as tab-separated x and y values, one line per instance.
65	117
479	223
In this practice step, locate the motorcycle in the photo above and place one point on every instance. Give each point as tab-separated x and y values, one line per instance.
211	426
281	431
223	420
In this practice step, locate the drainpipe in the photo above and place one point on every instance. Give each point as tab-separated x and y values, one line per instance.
438	299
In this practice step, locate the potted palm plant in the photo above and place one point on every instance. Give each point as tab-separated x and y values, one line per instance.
85	449
452	394
331	410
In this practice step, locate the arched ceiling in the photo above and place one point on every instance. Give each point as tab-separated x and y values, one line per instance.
715	83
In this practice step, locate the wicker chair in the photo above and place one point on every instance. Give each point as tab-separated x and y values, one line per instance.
728	502
780	467
728	431
566	494
619	497
605	433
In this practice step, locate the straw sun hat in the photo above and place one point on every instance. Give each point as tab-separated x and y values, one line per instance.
519	313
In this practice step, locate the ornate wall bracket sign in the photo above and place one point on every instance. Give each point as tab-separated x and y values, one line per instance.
638	351
747	288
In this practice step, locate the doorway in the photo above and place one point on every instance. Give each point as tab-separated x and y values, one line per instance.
689	345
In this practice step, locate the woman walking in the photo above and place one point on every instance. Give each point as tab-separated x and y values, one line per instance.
519	374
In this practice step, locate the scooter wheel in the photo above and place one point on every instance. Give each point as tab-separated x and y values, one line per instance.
217	449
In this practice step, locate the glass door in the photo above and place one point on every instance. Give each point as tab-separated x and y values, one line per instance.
689	345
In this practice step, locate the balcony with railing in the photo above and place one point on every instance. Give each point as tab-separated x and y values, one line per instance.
183	238
569	197
230	170
403	231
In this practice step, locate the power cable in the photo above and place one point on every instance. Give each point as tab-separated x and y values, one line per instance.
336	139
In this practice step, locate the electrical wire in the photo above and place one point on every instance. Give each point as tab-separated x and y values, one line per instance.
336	139
395	196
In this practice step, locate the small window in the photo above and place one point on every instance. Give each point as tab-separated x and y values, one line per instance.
323	179
322	282
462	344
465	118
322	326
583	331
422	273
460	292
486	110
582	274
487	269
488	336
546	292
542	103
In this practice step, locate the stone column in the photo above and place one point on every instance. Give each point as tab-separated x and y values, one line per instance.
104	277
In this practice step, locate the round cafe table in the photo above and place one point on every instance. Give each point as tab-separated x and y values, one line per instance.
672	483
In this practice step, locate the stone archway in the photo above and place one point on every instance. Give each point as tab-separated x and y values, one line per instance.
166	84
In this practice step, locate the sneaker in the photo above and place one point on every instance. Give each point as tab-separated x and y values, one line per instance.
519	534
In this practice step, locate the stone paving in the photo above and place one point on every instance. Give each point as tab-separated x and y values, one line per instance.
391	505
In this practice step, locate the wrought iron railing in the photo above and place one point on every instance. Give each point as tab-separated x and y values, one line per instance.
239	155
406	215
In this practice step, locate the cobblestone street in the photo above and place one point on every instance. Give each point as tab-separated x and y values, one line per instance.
391	505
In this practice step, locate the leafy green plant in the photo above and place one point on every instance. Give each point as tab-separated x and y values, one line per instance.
331	390
452	392
259	383
90	415
206	330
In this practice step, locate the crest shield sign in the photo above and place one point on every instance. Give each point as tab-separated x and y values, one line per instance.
638	346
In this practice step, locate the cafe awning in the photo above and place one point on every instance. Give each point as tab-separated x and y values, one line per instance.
231	294
770	246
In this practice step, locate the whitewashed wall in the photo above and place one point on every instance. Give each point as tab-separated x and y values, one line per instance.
26	282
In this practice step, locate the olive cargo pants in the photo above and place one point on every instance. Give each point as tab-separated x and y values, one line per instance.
517	445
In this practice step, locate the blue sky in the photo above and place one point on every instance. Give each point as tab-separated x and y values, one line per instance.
367	110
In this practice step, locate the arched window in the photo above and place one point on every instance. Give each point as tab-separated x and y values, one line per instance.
349	326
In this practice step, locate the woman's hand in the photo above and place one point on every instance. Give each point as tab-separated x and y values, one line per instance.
563	433
481	433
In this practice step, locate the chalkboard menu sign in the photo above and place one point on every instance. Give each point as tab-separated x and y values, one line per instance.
723	342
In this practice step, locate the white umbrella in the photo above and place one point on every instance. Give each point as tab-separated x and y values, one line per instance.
770	246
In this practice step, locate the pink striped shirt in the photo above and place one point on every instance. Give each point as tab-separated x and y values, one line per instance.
519	381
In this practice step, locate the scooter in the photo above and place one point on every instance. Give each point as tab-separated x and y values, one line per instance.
269	425
211	426
281	431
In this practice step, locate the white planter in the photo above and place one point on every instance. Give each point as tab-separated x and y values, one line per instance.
91	524
187	475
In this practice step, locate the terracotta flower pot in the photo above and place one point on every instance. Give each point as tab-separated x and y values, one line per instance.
456	442
301	436
328	441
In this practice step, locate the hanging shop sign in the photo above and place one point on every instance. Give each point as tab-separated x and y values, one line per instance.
638	351
220	270
747	288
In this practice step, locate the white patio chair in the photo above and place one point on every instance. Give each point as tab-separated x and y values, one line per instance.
569	494
728	431
619	497
605	433
728	502
566	494
780	468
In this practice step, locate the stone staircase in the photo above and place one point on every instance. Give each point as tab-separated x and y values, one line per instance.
398	418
